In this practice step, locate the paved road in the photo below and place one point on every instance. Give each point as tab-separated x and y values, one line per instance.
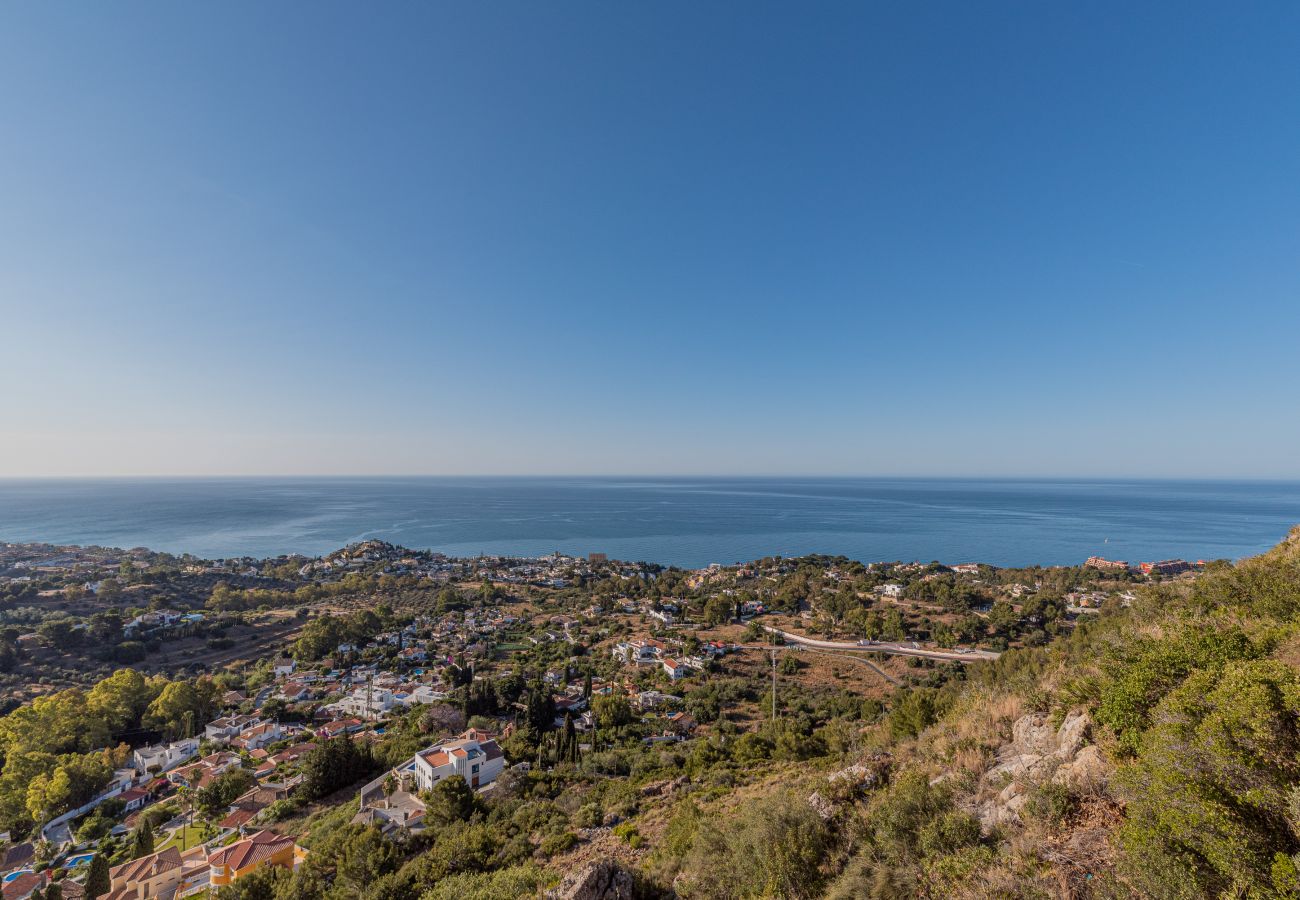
889	648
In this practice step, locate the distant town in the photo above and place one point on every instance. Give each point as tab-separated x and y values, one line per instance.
181	724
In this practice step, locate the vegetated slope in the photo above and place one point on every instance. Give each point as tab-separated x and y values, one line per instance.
1153	752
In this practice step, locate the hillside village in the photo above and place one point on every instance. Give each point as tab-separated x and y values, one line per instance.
388	685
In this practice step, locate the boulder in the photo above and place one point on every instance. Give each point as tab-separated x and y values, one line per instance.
1086	771
820	805
605	880
1033	734
1072	734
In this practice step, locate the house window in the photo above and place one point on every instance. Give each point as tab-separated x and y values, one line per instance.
475	769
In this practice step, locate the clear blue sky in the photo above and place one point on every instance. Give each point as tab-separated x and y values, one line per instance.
840	238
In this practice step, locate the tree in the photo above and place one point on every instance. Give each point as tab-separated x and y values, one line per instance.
335	764
142	840
914	713
223	790
179	705
451	800
717	610
541	708
365	858
568	747
74	780
61	633
1003	616
612	711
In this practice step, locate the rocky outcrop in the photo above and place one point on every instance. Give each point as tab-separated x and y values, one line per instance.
665	788
1087	771
598	881
1038	753
851	782
866	775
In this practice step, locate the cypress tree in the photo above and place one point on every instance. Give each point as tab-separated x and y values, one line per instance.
569	749
143	843
97	882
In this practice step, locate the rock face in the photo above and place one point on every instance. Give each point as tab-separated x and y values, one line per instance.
1038	753
598	881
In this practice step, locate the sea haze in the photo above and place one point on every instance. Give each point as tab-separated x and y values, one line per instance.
682	521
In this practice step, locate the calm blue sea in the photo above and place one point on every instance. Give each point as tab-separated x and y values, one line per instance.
686	521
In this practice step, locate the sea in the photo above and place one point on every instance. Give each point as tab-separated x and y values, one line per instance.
688	522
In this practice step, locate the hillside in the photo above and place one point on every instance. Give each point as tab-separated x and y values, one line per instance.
1152	752
1057	732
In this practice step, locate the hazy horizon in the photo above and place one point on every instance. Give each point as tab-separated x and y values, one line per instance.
659	476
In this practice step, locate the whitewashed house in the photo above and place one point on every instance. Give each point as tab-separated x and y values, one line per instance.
165	756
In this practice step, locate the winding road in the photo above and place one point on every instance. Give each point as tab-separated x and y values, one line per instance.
893	649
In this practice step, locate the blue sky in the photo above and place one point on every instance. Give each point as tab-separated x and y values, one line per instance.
948	238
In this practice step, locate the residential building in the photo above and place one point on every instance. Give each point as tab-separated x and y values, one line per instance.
392	802
367	703
259	736
265	848
1107	565
1166	567
226	729
156	875
164	757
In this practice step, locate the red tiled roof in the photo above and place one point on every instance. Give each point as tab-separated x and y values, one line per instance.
239	818
250	850
23	885
147	866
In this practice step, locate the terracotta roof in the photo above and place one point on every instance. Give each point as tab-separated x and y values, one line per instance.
23	885
72	890
239	818
435	758
147	866
250	850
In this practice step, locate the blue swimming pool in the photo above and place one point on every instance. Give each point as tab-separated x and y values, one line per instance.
82	859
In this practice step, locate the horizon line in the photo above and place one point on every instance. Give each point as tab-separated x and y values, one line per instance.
646	475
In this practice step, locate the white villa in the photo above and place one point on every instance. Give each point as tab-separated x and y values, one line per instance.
475	756
165	756
367	703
